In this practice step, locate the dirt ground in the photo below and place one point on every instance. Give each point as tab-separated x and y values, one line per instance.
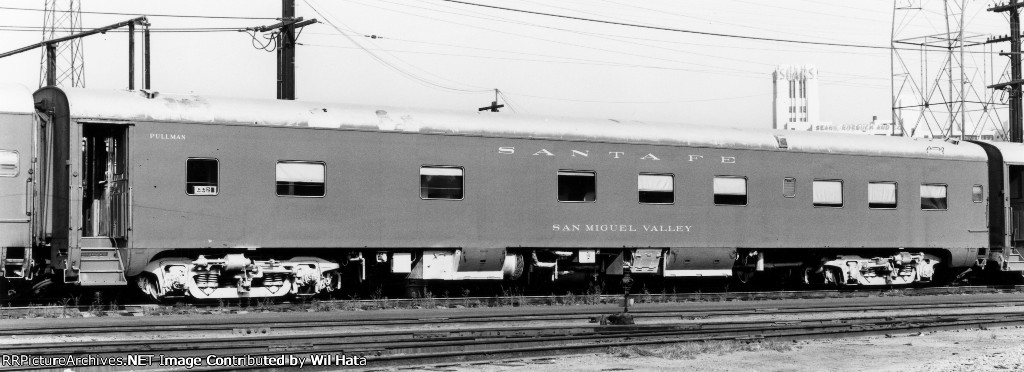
998	349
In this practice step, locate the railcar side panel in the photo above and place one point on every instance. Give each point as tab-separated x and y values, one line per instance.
16	152
372	195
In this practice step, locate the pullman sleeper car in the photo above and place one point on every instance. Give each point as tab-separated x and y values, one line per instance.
210	198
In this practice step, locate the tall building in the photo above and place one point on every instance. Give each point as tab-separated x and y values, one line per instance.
795	98
874	128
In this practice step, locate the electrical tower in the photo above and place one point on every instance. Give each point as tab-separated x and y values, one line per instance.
940	73
64	18
1013	85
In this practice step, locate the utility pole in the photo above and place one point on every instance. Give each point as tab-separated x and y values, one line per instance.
1013	87
286	47
286	54
145	57
131	56
494	105
51	47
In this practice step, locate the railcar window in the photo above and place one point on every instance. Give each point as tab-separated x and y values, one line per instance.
656	188
827	193
882	195
977	193
789	187
437	182
201	176
8	163
577	186
1015	182
933	197
730	190
300	178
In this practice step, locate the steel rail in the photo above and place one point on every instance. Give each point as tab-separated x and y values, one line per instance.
604	298
496	342
547	314
418	339
558	349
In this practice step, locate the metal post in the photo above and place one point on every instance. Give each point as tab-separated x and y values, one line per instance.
145	57
286	47
51	64
627	283
1015	91
892	67
286	53
949	56
1013	87
963	75
131	56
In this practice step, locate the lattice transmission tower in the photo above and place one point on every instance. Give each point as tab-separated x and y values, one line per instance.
63	18
941	70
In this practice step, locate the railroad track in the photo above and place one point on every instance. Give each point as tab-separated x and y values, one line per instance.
264	323
419	347
497	301
471	341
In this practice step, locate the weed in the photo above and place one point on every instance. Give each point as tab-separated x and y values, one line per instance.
379	300
428	301
318	306
593	296
645	296
511	297
465	297
690	350
570	299
64	307
893	293
264	304
447	300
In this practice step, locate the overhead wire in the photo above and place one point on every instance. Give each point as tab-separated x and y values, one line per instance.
152	29
564	99
418	79
421	80
147	15
410	65
601	63
679	30
555	41
269	46
631	43
606	37
508	102
661	28
576	61
612	37
688	16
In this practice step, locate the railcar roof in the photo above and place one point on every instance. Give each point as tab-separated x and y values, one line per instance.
15	98
136	106
1013	153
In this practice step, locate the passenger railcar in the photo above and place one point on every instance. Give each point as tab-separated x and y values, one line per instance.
209	197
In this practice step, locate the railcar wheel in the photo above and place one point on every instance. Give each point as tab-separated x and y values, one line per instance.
822	276
743	276
148	287
39	289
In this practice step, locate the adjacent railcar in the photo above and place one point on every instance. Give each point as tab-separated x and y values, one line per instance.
208	197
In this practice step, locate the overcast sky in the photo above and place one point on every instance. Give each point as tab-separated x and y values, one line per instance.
447	55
